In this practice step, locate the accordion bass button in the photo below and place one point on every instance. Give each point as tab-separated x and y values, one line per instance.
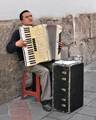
63	99
63	78
63	89
63	105
64	72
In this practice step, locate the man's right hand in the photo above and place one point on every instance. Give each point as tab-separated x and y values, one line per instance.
20	43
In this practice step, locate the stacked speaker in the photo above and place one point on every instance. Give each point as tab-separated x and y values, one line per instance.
67	85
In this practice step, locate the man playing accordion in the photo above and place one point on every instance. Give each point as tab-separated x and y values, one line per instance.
16	44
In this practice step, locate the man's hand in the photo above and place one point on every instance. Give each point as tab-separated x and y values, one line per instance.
61	44
20	43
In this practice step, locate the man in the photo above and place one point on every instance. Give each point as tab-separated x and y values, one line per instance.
15	46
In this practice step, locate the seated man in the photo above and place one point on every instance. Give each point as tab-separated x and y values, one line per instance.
15	46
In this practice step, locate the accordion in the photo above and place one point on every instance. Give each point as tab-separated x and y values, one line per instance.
42	43
67	85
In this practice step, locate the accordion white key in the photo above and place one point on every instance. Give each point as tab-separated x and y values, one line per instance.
42	43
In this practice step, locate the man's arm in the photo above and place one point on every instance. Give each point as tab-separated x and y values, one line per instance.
11	47
15	43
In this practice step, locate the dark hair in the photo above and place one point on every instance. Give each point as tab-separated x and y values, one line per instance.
21	14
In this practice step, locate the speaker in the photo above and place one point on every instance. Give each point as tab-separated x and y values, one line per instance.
67	85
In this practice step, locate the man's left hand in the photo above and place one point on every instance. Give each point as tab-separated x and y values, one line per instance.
61	44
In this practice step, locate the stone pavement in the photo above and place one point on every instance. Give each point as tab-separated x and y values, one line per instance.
28	109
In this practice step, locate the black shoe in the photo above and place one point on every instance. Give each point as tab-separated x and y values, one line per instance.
47	107
47	102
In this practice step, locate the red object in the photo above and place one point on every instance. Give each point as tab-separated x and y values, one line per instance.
25	92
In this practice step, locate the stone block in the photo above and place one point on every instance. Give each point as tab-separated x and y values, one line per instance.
10	77
82	26
68	30
93	25
6	30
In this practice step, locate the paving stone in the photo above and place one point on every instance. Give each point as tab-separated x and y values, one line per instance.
90	81
89	94
61	115
88	111
92	103
88	97
37	112
48	119
18	110
3	109
87	101
81	117
4	117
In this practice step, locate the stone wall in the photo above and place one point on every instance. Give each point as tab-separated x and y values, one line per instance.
9	70
79	36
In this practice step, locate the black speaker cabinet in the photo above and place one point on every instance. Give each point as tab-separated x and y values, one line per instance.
67	85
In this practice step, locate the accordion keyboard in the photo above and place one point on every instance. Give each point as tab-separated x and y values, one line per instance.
29	49
37	49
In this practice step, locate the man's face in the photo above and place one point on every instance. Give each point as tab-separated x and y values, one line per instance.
27	18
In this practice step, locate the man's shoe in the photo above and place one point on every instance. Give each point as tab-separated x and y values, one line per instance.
47	107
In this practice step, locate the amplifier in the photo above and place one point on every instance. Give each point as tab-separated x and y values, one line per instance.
67	85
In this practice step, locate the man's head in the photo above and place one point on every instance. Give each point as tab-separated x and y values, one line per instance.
26	17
